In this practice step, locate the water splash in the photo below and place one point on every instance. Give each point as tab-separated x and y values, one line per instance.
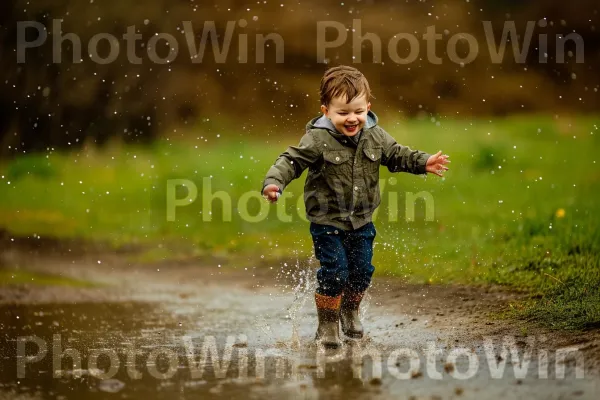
264	326
306	284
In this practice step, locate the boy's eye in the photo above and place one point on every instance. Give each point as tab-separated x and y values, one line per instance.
342	113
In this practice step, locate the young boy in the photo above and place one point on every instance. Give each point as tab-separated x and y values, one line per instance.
343	150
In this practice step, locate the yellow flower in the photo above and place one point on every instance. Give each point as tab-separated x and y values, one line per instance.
560	213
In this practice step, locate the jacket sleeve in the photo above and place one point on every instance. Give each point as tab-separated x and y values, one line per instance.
398	158
291	163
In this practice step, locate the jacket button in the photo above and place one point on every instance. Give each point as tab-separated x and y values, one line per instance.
355	187
373	156
337	159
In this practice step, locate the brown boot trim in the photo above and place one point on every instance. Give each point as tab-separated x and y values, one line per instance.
327	302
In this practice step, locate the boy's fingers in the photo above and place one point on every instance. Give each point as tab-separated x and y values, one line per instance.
274	196
271	194
434	158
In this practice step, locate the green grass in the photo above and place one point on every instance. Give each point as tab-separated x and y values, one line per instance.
519	206
17	277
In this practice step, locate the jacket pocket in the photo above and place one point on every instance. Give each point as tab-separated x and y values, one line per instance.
337	162
372	158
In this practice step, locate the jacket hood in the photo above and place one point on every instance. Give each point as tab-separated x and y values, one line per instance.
324	123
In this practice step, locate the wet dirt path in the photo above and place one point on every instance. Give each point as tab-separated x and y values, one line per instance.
191	331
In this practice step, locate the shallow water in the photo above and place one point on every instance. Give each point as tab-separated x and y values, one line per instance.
263	342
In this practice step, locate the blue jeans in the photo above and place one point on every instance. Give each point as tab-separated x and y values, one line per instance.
345	258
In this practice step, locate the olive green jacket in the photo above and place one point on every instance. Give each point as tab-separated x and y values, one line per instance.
342	186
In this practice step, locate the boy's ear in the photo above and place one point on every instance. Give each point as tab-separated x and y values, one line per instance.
324	110
369	106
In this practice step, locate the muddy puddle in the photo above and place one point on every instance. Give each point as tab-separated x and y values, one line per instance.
225	349
230	339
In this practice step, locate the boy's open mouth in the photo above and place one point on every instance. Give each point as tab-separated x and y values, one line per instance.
351	128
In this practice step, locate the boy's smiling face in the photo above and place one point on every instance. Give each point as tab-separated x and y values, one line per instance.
348	118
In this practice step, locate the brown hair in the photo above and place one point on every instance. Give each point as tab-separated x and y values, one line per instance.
343	81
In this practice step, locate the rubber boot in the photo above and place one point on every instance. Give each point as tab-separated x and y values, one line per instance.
351	325
328	312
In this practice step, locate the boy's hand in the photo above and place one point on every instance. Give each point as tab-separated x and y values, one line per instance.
436	163
271	193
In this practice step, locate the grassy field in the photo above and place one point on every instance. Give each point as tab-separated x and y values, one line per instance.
519	206
17	277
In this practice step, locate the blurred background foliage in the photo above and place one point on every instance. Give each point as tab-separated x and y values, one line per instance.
65	105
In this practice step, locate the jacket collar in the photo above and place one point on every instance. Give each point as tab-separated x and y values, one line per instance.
324	123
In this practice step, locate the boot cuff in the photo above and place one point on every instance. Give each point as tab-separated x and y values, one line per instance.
330	303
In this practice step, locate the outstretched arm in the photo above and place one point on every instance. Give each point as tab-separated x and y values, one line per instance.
290	165
398	158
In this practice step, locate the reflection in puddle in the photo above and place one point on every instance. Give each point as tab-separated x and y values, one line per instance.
239	345
141	351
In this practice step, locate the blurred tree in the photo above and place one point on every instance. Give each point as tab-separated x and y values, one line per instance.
78	101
